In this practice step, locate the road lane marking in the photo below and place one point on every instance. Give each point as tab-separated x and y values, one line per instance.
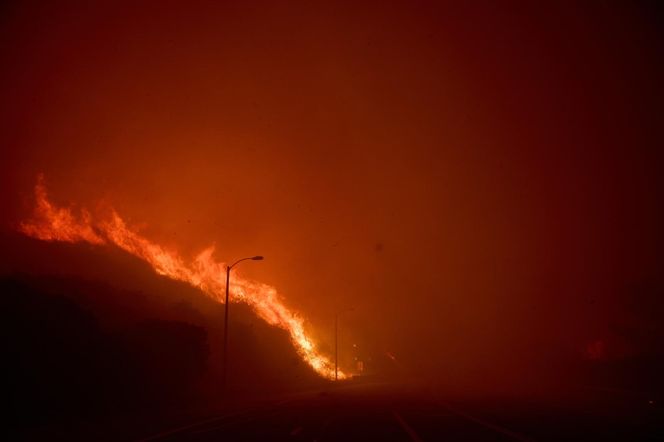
323	429
502	430
242	419
327	422
173	431
407	428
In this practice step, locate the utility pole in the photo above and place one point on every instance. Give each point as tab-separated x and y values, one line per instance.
336	347
336	342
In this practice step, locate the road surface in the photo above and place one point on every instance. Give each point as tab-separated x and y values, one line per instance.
379	412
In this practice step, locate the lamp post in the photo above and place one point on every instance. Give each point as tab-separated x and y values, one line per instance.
336	342
225	353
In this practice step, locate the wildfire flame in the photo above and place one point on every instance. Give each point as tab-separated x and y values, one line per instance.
51	223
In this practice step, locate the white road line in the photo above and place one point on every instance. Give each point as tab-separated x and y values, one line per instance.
502	430
243	419
407	428
327	422
173	431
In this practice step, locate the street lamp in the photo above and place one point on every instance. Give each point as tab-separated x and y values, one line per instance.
225	354
336	342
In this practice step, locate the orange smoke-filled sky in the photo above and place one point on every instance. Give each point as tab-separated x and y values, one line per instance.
478	182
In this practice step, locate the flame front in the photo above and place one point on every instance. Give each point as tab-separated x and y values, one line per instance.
52	223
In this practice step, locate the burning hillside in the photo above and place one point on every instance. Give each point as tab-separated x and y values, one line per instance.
52	223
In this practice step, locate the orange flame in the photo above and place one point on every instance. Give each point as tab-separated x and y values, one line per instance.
52	223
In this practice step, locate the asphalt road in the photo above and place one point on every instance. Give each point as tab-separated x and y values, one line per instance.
379	412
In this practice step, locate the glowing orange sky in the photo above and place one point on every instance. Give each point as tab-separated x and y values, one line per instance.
468	178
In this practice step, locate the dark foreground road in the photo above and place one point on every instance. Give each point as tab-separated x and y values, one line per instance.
379	412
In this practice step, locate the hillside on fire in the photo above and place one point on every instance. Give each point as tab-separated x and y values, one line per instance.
112	336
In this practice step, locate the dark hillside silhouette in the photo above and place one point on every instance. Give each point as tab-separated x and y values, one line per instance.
60	362
113	335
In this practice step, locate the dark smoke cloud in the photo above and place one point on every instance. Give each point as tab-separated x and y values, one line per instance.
481	183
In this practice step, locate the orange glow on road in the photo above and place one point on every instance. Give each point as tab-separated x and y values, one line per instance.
52	223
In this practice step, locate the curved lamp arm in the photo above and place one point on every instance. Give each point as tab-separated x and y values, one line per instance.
255	258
